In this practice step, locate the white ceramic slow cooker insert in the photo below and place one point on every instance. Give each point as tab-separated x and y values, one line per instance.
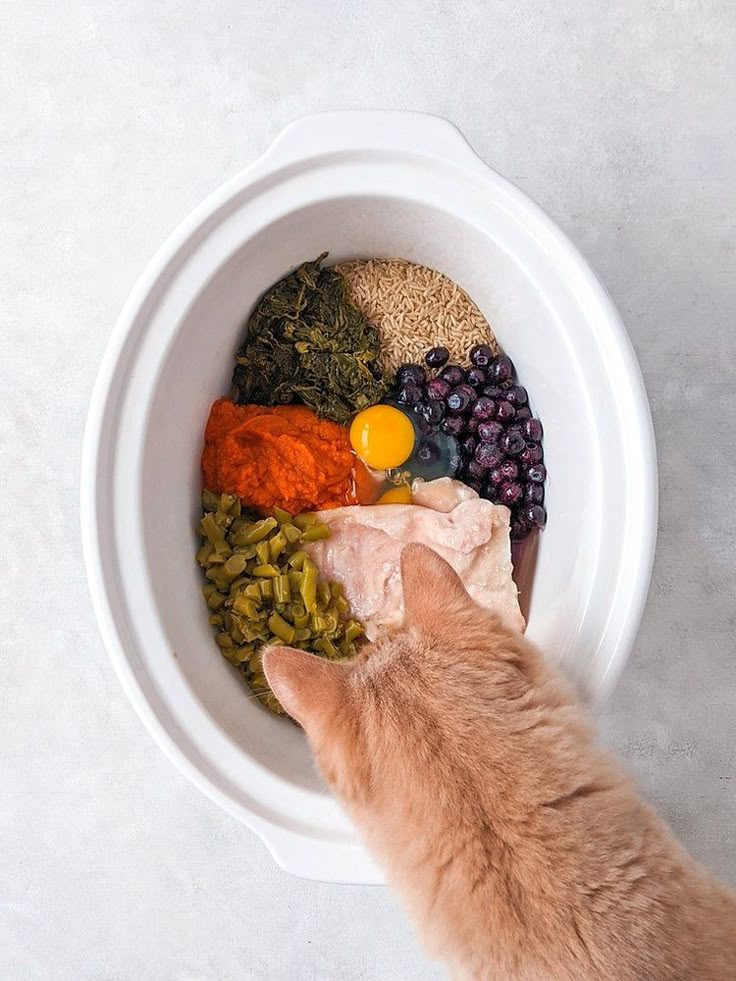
358	184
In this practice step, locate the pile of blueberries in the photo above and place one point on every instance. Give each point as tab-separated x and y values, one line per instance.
485	413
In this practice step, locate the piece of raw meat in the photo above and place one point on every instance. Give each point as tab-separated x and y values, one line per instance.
365	545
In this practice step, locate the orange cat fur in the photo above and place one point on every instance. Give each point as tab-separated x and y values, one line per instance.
517	845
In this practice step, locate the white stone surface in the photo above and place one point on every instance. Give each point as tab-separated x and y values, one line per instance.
116	119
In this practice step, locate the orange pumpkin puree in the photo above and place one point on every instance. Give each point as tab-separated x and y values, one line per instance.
283	457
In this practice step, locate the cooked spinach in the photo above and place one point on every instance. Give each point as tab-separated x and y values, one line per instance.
307	342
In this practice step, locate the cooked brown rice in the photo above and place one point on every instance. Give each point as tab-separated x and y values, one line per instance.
416	308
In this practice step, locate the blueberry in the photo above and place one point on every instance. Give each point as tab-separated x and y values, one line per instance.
500	370
509	470
484	408
409	394
491	493
457	401
494	392
505	411
519	529
469	444
512	443
452	425
438	388
535	516
411	374
496	477
534	493
490	432
536	474
433	412
475	377
510	493
475	471
488	455
437	357
468	389
481	355
453	374
532	453
472	424
533	430
418	410
517	396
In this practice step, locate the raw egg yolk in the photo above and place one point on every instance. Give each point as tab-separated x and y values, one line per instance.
382	436
396	495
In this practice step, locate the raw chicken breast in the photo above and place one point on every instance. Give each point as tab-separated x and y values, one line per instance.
442	494
365	544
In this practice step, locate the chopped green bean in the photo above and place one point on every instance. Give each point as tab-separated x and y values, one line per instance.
252	631
282	589
234	565
220	555
319	624
249	551
205	552
342	606
301	619
258	531
246	607
315	533
210	500
325	644
215	599
231	504
308	585
237	655
283	630
291	533
353	630
296	561
277	544
259	681
266	571
211	530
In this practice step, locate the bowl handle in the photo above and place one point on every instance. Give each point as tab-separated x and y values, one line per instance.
343	862
371	130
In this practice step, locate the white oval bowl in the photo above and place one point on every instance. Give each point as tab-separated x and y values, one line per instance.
359	184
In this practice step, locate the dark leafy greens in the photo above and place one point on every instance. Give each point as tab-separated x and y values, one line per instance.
307	342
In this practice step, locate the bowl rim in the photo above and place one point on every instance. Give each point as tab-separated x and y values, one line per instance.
308	138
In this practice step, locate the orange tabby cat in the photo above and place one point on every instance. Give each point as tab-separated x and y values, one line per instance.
519	847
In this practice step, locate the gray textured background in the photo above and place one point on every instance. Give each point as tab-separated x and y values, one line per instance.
115	120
